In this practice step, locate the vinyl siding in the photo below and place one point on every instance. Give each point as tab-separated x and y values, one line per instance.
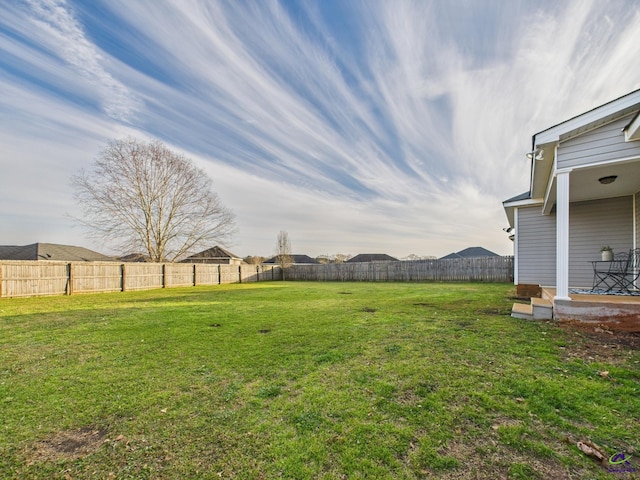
600	145
592	225
536	237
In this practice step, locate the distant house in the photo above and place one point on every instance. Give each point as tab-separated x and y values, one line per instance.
295	259
217	255
471	252
372	257
51	251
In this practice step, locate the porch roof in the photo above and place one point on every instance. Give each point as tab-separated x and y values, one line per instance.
585	184
584	181
517	201
589	120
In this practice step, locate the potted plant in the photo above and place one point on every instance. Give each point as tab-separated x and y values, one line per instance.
607	253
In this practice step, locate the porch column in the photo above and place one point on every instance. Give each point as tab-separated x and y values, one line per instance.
562	236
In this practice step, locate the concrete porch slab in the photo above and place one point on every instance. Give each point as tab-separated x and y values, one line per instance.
616	312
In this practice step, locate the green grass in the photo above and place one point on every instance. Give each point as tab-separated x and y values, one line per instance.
305	380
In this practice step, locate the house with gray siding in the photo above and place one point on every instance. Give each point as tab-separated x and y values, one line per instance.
584	193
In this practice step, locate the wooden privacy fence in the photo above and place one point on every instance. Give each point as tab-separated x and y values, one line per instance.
38	278
485	269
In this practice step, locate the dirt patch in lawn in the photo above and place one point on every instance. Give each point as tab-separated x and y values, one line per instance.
495	311
594	343
486	458
67	445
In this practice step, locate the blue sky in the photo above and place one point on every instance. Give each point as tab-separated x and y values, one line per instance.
366	126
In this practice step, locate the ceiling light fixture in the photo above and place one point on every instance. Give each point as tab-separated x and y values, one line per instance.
607	180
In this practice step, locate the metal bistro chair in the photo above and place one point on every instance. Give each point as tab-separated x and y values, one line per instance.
631	278
611	275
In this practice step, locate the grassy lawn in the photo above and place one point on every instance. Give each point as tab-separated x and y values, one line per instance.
309	380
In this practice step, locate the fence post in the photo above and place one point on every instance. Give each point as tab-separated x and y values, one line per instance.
194	274
219	275
123	277
70	279
164	275
239	273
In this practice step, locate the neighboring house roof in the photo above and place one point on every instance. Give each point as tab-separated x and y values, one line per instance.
471	252
211	254
15	252
294	259
51	251
135	257
372	257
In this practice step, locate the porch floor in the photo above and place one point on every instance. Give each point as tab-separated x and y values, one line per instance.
550	292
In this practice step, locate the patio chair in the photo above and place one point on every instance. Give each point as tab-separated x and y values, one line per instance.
611	275
631	278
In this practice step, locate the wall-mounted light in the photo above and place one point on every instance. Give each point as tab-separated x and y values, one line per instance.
607	180
536	154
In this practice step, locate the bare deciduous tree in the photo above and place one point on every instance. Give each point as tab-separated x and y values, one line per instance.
337	258
283	252
142	196
341	257
254	259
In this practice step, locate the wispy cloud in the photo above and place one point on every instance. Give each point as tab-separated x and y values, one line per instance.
400	124
56	29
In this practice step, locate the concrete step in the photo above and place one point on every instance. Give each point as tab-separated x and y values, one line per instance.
542	309
539	309
522	310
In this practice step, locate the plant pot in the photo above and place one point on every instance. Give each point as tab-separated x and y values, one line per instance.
607	255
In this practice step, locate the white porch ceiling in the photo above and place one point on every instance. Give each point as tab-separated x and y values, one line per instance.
584	184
